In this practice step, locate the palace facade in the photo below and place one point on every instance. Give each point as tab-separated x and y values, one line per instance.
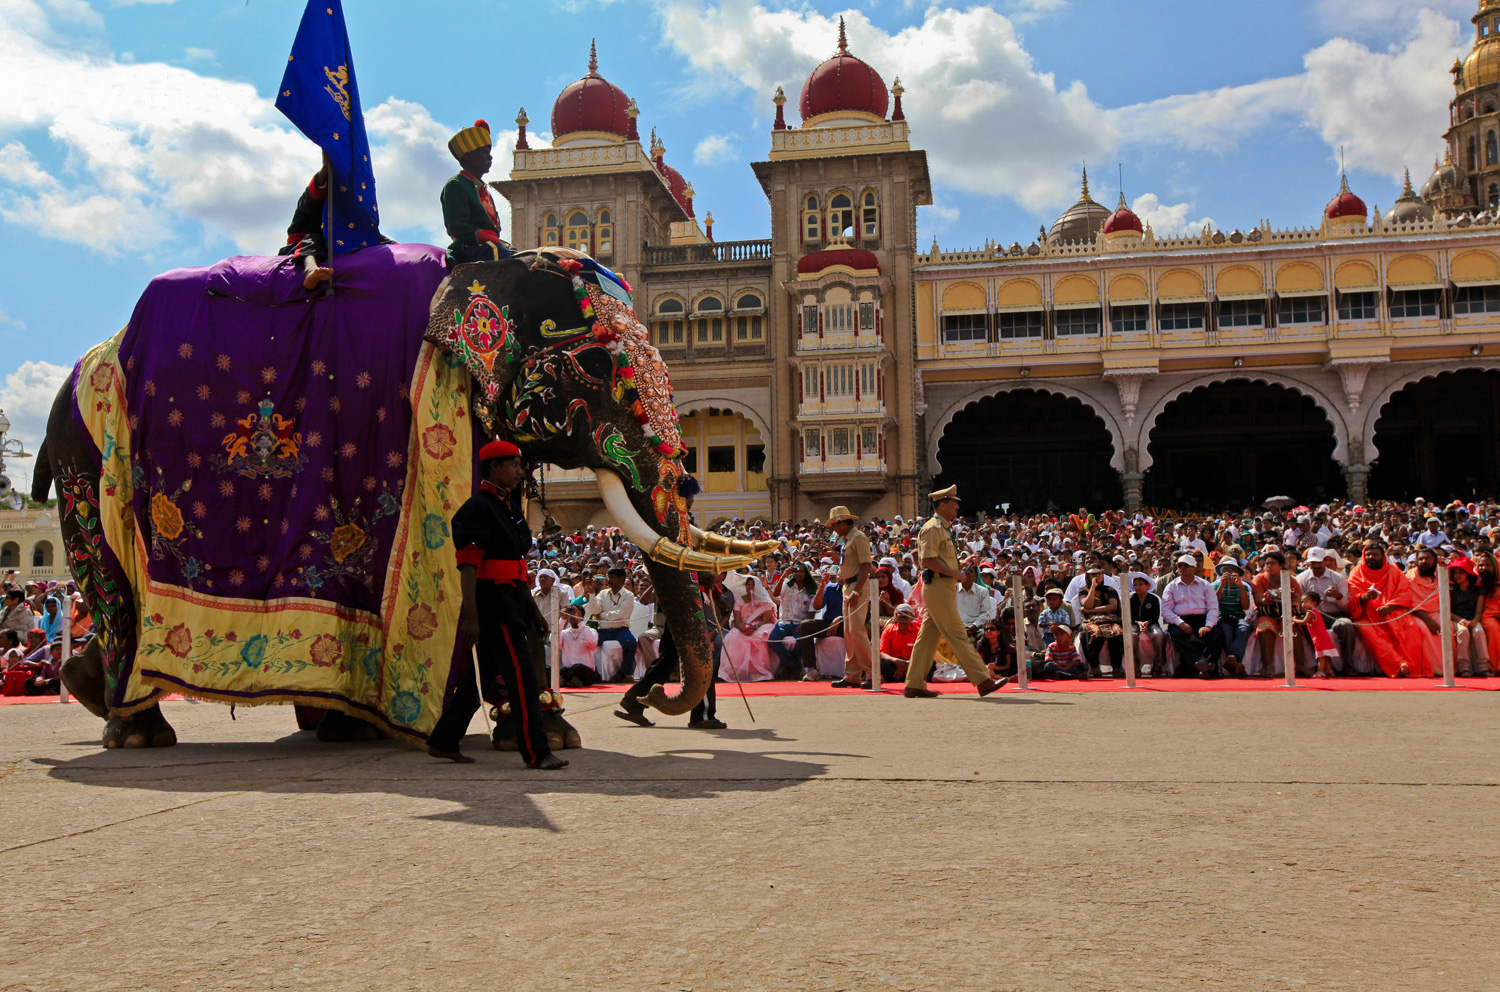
836	362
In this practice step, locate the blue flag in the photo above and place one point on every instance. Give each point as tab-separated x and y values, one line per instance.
319	95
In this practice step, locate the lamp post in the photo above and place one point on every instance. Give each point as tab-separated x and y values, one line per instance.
15	449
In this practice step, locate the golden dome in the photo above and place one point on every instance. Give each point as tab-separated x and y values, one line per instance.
1083	220
1482	66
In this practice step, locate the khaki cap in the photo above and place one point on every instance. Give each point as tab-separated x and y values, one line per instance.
950	493
839	513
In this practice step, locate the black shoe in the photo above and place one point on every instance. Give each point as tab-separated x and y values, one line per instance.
911	693
707	724
632	715
844	684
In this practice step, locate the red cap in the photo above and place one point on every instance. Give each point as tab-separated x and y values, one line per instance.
499	449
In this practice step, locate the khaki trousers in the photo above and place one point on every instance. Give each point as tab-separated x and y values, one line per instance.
941	599
857	650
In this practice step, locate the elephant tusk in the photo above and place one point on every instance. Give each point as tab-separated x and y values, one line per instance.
718	544
658	548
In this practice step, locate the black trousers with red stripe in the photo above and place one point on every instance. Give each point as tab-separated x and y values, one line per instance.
503	654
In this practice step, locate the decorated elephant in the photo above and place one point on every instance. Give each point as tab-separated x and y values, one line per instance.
257	481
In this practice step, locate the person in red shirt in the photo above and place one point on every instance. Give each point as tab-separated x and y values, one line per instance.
896	642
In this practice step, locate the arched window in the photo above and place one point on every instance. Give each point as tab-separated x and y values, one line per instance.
10	555
577	234
606	238
749	328
669	331
1472	161
811	226
1489	107
869	215
840	215
1491	149
709	330
41	555
1494	196
749	301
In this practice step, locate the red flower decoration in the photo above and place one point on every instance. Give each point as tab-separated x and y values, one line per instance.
421	621
326	650
180	640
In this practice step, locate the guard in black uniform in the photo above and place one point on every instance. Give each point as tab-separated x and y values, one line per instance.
498	614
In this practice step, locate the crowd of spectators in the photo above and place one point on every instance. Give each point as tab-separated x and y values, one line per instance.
33	618
1205	594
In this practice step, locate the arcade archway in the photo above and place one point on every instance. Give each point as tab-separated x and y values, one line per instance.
1029	448
1437	438
1236	443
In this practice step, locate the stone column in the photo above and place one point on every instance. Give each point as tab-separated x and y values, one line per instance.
1357	477
1133	482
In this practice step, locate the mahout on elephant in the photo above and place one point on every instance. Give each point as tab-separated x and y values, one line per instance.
257	482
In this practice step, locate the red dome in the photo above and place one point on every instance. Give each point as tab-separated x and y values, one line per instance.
855	258
1345	204
675	183
1123	219
844	83
591	104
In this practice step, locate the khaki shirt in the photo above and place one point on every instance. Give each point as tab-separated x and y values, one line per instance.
935	540
856	553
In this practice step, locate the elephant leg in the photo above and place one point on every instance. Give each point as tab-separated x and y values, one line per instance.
503	737
560	733
83	674
338	727
148	728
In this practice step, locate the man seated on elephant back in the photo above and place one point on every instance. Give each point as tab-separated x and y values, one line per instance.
469	214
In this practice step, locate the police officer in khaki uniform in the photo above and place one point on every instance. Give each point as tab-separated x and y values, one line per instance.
854	580
941	575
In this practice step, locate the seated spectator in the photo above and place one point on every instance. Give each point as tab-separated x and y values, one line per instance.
896	641
10	649
1470	653
1055	612
17	615
747	655
1266	587
793	592
997	645
1190	609
1383	598
890	596
1145	616
1332	589
614	607
1234	622
830	599
1101	625
577	667
1061	660
975	605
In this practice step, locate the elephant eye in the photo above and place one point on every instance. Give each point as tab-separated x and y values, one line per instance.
594	364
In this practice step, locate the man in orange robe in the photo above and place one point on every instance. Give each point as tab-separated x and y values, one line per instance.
1383	607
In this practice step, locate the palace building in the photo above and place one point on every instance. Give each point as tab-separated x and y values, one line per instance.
836	362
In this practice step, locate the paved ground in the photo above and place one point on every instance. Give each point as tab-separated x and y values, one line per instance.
1261	841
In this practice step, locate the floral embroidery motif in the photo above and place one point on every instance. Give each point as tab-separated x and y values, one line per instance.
479	336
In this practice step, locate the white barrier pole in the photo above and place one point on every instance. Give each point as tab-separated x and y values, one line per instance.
1018	606
1288	641
1445	625
554	643
872	596
67	646
1128	629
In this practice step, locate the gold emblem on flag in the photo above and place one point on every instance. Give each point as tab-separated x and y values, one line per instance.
339	87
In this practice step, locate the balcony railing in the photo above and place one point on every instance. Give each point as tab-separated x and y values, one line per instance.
714	251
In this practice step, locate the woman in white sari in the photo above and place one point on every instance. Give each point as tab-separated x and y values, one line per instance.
747	656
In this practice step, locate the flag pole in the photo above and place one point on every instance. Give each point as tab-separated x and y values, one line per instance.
328	220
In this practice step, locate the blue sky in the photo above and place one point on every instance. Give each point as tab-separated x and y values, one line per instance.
139	136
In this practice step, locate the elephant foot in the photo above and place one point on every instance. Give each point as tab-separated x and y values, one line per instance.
83	674
503	737
148	728
338	727
560	733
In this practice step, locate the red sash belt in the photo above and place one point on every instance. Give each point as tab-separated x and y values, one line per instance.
500	570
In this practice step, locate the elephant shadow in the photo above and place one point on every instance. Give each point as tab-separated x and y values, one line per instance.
495	791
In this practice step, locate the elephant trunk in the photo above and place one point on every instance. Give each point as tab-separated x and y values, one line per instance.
678	597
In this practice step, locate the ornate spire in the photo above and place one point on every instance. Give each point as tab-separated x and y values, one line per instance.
897	114
593	58
1122	201
632	111
1085	194
1408	190
521	121
780	100
843	41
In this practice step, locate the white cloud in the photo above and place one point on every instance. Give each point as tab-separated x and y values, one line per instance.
7	319
192	54
716	149
1386	108
27	399
971	88
1385	18
1167	219
143	147
1031	11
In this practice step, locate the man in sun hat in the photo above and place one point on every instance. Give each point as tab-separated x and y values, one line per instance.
1190	613
469	214
855	570
941	574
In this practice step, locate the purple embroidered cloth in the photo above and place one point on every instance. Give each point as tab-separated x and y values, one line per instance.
270	429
